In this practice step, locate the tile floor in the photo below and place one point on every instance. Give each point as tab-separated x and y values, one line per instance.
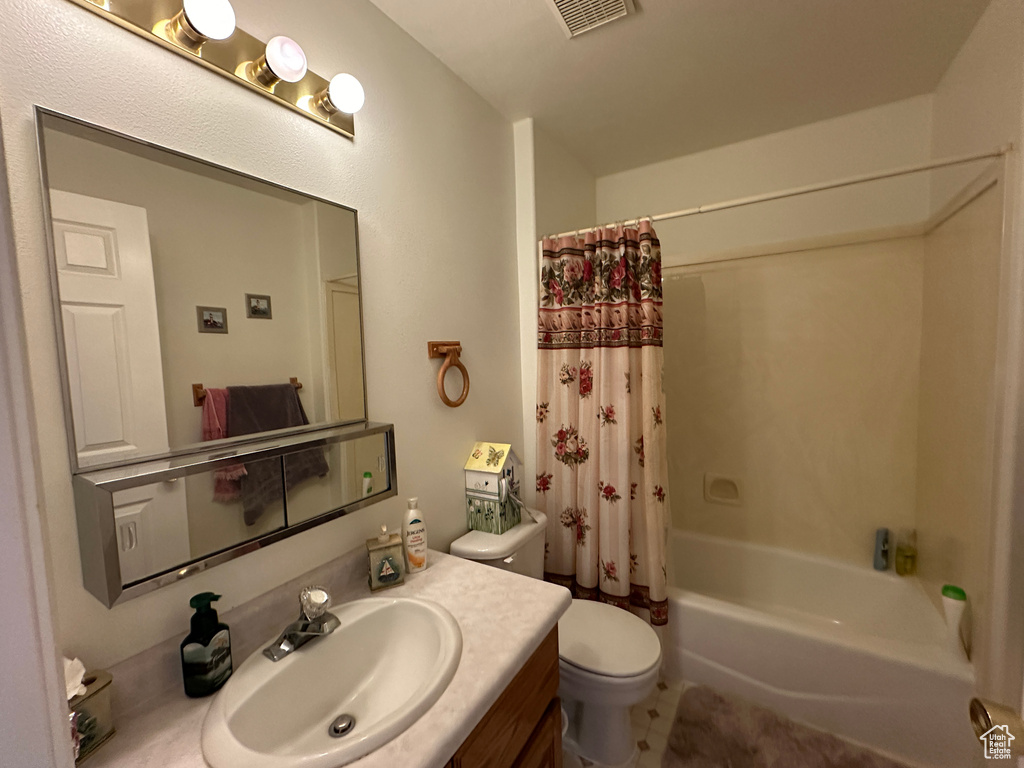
652	720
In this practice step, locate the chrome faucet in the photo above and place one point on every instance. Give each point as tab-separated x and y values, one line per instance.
314	621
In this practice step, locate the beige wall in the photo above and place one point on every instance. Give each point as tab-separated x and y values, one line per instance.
977	104
431	173
797	376
955	431
33	707
555	193
871	140
566	195
977	107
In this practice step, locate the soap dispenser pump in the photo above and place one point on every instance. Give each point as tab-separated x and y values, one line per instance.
206	652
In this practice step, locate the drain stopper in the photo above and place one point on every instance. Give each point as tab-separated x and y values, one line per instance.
342	726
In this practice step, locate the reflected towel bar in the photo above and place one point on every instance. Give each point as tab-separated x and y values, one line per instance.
199	393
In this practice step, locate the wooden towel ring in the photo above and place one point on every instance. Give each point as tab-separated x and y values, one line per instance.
450	351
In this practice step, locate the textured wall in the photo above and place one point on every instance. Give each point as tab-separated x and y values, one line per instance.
871	140
554	193
797	376
431	173
978	107
958	371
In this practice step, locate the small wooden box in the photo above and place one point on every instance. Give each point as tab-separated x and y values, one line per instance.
492	488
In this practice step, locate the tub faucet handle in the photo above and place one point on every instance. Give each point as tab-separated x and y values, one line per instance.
881	562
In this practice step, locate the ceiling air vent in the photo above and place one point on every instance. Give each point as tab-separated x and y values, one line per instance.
579	16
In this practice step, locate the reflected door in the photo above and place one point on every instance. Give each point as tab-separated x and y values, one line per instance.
108	308
345	350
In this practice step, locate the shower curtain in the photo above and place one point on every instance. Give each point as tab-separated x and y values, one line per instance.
601	463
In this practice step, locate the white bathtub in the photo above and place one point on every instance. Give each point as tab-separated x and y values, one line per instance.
846	649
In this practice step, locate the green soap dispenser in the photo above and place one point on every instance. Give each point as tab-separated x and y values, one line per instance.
206	652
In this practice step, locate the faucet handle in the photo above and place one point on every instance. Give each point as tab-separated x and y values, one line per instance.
314	601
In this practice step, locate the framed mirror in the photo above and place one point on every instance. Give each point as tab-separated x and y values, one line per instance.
177	281
211	348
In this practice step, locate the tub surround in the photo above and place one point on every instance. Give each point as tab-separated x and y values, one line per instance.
504	618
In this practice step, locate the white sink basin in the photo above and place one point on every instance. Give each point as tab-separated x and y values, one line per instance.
386	665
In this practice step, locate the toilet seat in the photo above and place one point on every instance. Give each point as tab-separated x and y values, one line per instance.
605	640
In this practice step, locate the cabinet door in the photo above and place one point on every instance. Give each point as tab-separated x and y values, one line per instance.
501	736
544	749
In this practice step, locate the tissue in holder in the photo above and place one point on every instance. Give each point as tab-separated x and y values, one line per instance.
74	671
95	722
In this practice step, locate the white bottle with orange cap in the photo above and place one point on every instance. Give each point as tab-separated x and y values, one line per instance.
414	535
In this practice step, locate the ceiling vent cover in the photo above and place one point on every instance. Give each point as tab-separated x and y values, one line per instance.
579	16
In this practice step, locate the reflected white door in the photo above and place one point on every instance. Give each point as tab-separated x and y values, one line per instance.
112	340
345	352
108	305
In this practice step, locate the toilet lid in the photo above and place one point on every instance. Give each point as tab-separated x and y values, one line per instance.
606	640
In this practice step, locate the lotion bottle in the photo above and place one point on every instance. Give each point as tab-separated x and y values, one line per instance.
414	535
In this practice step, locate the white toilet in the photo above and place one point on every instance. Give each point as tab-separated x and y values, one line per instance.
609	658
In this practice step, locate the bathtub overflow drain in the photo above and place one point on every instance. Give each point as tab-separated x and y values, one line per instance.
342	726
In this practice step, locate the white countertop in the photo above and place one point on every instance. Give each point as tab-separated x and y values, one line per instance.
503	618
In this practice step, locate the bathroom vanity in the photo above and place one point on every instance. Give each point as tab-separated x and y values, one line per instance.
524	727
500	709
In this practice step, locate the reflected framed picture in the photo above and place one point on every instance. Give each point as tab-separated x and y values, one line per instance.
257	306
212	319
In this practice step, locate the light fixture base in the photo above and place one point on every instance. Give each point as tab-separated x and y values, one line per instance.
259	72
179	31
152	19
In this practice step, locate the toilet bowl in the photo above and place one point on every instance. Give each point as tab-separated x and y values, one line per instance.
608	658
608	661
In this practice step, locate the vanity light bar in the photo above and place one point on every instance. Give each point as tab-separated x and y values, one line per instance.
240	57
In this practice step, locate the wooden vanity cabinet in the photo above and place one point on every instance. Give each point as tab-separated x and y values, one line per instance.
524	727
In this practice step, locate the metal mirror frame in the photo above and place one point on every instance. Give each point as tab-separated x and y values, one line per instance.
40	114
97	535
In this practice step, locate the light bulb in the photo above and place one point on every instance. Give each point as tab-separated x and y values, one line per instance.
213	19
286	59
346	93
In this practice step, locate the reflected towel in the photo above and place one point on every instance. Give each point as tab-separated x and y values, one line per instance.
260	409
227	485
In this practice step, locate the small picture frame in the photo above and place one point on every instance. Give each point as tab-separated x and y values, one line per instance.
212	319
257	306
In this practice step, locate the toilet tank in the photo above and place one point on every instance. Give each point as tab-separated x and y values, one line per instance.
519	549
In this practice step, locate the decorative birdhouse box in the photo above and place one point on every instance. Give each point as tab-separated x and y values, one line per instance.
492	488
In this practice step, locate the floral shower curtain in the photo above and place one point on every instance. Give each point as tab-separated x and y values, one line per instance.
600	417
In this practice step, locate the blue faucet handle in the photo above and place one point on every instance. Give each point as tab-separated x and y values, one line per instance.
882	549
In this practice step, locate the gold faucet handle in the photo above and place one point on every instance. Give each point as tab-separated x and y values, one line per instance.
314	601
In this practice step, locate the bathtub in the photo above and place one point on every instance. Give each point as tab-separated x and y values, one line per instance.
846	649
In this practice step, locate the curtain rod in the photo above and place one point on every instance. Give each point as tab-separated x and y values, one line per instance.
797	191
